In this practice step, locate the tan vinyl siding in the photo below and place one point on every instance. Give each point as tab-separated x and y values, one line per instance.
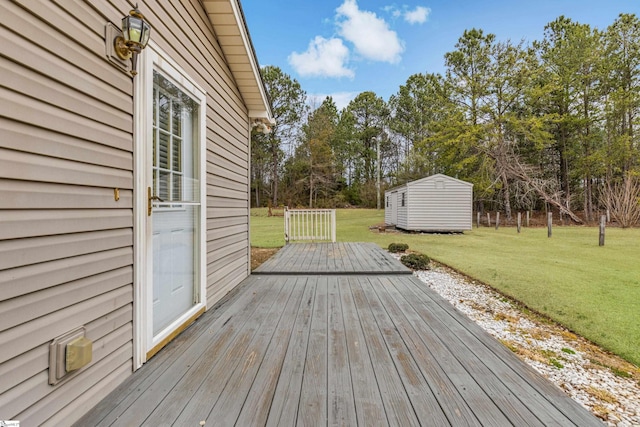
440	209
439	203
38	195
73	294
27	138
66	255
66	246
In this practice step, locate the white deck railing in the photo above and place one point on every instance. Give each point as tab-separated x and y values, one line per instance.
309	224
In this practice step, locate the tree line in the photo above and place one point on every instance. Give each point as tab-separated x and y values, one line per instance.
548	124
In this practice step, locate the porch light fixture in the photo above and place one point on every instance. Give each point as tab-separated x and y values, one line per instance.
261	127
134	38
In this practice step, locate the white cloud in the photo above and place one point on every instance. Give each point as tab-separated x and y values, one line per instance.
417	16
393	11
323	58
369	34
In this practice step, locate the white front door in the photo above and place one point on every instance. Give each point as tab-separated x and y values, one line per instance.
175	205
170	288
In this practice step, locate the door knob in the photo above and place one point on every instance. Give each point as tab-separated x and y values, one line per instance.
150	198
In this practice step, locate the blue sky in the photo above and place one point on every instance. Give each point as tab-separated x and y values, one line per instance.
344	47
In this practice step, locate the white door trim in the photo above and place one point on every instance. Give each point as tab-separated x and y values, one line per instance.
143	340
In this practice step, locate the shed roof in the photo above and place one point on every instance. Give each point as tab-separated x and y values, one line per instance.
430	178
438	176
232	33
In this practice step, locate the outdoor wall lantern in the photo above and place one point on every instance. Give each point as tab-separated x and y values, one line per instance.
134	38
261	127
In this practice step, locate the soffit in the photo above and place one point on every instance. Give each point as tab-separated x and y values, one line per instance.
233	35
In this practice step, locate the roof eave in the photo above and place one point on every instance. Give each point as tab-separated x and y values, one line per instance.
232	33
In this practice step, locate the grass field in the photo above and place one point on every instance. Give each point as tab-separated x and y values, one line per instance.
592	290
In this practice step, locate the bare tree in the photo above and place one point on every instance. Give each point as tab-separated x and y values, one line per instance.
622	199
510	168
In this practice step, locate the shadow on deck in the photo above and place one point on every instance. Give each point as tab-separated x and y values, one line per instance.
336	334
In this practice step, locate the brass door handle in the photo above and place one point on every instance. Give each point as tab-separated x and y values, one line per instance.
150	198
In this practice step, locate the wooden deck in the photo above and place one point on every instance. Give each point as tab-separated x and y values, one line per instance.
369	350
331	258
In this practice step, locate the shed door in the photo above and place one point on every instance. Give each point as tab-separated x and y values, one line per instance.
394	208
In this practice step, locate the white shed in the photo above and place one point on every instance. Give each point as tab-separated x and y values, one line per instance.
435	203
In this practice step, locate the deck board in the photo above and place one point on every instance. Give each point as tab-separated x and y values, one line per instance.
489	406
367	398
335	347
394	397
340	402
520	378
229	339
389	317
331	258
270	340
422	346
312	409
199	404
284	407
256	407
128	394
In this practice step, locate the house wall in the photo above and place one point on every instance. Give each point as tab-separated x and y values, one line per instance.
439	203
66	141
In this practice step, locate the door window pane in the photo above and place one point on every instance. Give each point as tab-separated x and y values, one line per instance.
174	125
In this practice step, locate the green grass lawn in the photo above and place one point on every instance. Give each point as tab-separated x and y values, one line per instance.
592	290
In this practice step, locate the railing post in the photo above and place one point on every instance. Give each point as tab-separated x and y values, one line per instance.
333	225
286	225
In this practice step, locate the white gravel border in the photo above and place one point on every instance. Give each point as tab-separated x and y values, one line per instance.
560	356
